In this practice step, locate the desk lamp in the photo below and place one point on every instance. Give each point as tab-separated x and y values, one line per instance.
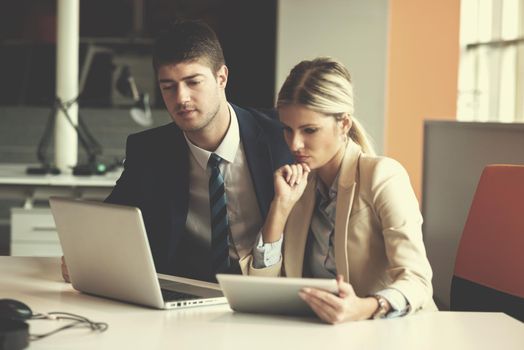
88	142
141	110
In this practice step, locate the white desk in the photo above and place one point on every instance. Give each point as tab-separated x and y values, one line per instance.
15	183
33	230
37	282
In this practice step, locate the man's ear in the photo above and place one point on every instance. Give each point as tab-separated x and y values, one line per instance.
222	76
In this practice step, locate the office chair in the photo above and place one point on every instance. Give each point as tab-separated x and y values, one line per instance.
489	266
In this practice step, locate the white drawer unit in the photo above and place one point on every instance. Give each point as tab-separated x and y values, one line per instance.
33	233
33	230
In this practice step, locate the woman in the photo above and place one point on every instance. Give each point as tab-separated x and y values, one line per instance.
340	210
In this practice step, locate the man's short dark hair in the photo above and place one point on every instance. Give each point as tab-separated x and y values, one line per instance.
188	40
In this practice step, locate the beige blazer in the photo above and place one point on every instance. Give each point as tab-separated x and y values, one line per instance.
378	235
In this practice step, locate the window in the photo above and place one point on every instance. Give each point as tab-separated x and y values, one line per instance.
491	70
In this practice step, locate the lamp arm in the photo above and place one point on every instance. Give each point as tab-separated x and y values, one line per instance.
43	144
134	88
81	137
95	146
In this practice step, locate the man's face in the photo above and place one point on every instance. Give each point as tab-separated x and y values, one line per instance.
192	93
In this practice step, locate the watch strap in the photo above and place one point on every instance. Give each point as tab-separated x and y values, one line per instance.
381	310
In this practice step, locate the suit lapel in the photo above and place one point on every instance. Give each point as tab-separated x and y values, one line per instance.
258	158
176	178
345	196
296	237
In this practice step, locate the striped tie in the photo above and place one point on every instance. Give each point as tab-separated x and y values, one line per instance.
219	222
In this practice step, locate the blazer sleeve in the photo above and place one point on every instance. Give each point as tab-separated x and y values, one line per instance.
246	265
126	188
398	211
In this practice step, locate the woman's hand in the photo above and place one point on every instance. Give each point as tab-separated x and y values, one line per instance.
290	181
347	306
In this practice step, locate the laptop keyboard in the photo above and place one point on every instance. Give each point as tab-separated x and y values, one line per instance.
171	295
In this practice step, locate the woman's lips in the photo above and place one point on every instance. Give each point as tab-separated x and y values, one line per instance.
301	158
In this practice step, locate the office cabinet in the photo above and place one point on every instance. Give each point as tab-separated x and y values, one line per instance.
33	233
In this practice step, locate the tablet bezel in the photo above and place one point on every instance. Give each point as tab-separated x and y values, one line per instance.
272	295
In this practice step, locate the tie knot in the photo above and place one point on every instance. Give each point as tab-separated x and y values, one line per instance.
214	160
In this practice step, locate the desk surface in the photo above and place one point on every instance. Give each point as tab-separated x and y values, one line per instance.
15	174
37	282
16	184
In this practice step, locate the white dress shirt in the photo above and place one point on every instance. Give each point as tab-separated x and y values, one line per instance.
242	206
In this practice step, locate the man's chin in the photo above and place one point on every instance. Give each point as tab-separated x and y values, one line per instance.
189	127
188	124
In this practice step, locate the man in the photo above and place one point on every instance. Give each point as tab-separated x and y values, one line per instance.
202	212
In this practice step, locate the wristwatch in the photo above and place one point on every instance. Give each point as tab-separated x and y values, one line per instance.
381	310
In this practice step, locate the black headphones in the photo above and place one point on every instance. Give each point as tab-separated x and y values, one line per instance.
14	332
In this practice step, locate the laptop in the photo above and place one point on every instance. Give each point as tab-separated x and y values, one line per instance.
108	255
271	295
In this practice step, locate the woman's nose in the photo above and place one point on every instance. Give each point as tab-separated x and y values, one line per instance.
295	142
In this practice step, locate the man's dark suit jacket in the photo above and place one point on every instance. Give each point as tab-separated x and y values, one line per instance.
156	180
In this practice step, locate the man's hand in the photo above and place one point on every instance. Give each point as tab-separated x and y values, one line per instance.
65	273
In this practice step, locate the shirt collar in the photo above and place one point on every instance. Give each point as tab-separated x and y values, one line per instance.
332	192
227	148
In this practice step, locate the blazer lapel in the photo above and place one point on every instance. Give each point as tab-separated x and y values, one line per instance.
345	195
258	158
296	237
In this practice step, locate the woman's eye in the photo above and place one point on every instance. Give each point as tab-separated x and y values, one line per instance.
310	130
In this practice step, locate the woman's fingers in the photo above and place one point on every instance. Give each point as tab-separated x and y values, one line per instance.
344	289
293	177
293	174
305	172
332	308
299	174
328	300
319	311
287	172
323	309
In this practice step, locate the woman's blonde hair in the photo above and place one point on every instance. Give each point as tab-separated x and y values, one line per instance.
324	85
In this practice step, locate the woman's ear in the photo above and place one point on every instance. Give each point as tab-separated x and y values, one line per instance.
346	123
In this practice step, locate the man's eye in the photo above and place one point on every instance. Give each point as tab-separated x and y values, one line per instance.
193	82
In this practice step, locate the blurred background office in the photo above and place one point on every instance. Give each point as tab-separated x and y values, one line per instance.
412	61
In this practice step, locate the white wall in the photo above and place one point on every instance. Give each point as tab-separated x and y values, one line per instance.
353	31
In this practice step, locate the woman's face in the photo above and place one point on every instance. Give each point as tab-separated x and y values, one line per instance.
313	138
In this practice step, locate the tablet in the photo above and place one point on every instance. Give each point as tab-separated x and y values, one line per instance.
273	295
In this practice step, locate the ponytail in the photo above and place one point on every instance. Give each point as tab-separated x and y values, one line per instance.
359	135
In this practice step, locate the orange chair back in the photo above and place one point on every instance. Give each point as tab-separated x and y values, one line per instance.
491	250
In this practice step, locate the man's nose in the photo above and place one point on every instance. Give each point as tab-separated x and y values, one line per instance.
182	95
